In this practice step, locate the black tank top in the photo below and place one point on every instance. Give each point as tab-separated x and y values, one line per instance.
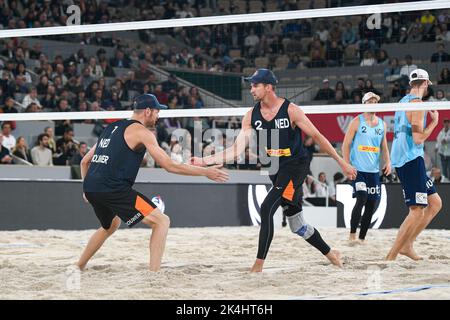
114	166
290	146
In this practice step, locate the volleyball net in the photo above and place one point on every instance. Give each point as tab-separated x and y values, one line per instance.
325	60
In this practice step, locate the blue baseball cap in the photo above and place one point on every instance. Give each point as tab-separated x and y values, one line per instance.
265	76
147	100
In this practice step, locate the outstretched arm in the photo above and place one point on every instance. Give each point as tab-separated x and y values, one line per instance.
299	118
165	162
232	152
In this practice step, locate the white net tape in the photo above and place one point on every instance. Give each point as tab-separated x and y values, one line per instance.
225	112
227	19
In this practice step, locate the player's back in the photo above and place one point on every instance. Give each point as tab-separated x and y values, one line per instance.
114	166
404	149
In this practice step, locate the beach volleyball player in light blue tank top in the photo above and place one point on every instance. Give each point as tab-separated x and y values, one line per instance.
410	133
363	144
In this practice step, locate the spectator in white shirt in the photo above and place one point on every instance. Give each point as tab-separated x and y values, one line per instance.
41	154
437	177
443	147
406	70
30	98
9	141
322	188
368	60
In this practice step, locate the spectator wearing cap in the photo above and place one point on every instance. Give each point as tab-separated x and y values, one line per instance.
443	147
440	55
326	93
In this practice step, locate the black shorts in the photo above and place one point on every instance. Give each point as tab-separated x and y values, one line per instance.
131	206
289	178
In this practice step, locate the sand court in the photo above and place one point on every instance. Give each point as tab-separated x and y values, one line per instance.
214	263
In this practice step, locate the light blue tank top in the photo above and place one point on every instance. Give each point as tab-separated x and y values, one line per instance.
403	147
366	146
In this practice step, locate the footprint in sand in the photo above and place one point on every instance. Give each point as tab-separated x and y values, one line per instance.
438	257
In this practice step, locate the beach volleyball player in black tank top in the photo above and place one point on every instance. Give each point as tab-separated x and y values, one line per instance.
109	171
272	114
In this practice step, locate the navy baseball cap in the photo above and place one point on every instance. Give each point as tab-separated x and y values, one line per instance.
265	76
147	100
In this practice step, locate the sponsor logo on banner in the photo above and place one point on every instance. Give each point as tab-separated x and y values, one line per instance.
256	196
344	194
157	200
344	122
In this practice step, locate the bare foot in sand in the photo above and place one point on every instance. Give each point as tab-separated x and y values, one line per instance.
410	253
79	267
352	237
258	266
335	258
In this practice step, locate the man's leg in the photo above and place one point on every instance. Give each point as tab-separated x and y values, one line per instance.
445	165
361	199
96	241
434	206
159	222
268	209
367	218
407	229
299	226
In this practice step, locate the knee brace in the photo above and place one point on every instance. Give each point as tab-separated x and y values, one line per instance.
299	226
